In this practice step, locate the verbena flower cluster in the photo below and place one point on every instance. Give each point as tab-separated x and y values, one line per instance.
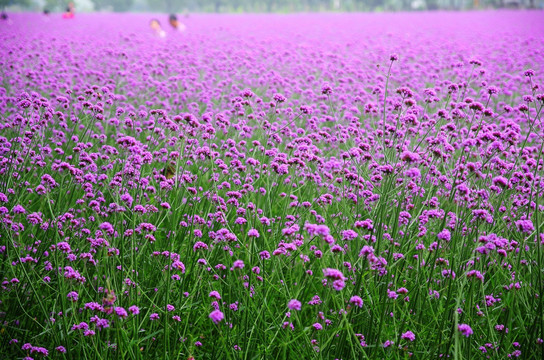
300	186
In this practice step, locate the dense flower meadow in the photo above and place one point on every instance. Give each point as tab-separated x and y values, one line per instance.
282	187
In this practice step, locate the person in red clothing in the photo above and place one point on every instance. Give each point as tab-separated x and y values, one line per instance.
70	11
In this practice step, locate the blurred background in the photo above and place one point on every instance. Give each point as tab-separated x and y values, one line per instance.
263	6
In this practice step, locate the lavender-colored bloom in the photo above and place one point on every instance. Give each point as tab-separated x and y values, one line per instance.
72	295
134	310
121	312
338	284
316	300
410	156
465	330
294	304
18	209
525	226
80	326
444	235
333	274
500	181
253	233
408	335
215	295
356	300
216	316
200	245
413	173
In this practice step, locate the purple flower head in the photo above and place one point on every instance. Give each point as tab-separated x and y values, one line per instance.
279	98
316	300
72	295
413	173
134	310
338	284
333	274
356	300
408	335
410	156
253	233
366	250
525	226
444	235
326	89
465	330
294	304
200	245
18	209
121	312
215	295
216	316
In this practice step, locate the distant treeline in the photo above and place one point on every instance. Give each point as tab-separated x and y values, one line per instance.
280	6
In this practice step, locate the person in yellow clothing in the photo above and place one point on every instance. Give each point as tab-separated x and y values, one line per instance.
155	25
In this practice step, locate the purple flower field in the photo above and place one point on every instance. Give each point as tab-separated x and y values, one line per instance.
326	186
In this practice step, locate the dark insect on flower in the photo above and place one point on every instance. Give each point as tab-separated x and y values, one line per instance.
169	171
110	297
